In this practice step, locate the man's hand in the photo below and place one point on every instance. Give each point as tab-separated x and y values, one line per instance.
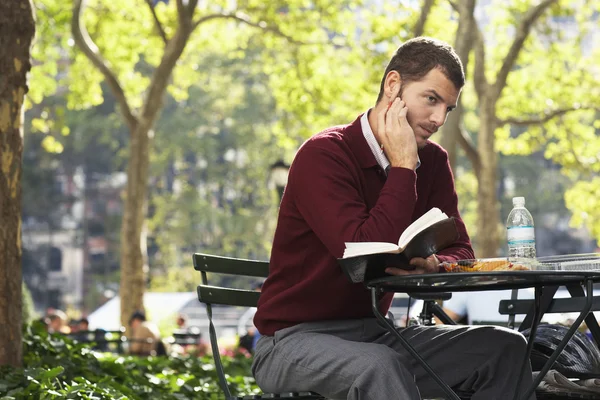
429	265
396	135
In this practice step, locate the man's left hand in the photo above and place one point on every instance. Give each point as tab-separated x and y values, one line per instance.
429	265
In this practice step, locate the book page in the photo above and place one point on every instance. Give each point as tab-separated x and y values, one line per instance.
364	248
426	220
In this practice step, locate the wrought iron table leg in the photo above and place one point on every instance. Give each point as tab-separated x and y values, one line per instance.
390	327
535	321
589	284
590	319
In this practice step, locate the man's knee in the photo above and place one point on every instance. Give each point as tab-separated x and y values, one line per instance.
382	371
503	341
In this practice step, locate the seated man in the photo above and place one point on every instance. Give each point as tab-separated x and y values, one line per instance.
367	181
144	339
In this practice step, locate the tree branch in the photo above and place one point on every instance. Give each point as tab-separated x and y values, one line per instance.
181	12
420	25
469	148
541	120
157	22
468	22
89	48
162	73
465	38
246	20
522	32
479	79
192	4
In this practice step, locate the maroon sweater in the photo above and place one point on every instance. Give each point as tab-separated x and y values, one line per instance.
337	193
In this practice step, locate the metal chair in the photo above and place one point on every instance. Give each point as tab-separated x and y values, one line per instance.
210	295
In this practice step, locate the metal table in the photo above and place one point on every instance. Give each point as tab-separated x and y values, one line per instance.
481	281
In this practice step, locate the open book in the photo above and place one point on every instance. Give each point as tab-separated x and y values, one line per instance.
433	232
428	219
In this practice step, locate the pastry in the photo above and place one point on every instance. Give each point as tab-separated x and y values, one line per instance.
482	265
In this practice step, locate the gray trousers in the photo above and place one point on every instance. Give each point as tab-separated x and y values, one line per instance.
359	359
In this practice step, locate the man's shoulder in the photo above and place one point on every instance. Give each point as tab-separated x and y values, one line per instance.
434	149
331	137
337	140
148	328
433	156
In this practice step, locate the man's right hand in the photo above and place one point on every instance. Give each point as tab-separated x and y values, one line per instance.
396	135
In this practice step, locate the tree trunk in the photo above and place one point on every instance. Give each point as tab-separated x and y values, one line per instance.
133	249
450	133
487	223
463	44
17	28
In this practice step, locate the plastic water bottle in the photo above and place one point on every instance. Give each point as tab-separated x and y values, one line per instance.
519	231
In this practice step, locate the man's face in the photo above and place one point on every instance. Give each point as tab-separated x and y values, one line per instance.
55	324
135	323
429	101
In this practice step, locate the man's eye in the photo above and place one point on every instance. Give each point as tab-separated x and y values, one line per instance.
431	99
449	109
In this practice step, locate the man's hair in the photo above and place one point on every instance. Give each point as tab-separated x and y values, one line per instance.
416	57
57	314
139	315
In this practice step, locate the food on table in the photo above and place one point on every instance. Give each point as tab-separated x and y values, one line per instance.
483	265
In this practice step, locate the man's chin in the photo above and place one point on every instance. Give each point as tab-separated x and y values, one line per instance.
422	143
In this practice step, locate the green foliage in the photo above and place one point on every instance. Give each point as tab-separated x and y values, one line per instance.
583	199
56	367
28	309
242	97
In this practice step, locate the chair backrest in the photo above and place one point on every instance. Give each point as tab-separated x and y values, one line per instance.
209	295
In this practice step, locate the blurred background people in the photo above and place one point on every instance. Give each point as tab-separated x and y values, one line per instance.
57	322
144	337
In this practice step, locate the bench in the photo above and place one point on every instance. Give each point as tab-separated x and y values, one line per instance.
186	337
220	295
110	341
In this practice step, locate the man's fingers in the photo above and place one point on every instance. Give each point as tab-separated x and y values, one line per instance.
402	113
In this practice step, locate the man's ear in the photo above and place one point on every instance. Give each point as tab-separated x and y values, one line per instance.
392	83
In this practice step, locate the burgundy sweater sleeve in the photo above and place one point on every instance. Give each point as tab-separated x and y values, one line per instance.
444	197
326	194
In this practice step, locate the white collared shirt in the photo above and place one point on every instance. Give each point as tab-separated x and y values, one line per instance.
380	156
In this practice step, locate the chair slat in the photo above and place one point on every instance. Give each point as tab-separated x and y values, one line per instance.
232	266
231	297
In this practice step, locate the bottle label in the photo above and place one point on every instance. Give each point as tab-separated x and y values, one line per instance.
520	235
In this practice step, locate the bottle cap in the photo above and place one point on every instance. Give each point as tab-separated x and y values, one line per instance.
518	201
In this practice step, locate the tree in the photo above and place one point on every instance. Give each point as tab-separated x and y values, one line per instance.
139	68
533	85
17	29
521	87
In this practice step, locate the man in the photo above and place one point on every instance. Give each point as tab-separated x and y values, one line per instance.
368	181
57	322
145	337
181	321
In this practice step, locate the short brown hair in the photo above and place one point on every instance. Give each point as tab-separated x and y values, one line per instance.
416	57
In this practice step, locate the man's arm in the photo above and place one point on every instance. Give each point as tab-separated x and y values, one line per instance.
444	197
326	193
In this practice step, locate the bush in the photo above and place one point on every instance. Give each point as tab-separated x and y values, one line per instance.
28	308
56	367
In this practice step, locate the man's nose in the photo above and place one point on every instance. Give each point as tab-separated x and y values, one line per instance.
439	116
